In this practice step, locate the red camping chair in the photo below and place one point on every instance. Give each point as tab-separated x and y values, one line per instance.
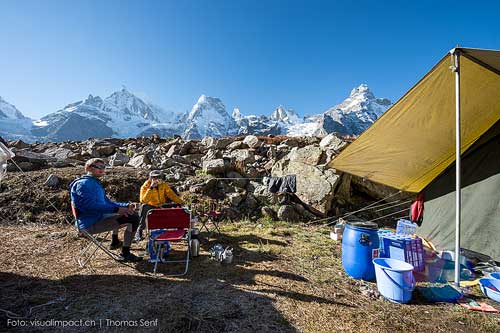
213	218
88	252
176	223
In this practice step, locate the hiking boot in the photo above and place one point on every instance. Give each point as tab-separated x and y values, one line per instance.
115	245
129	257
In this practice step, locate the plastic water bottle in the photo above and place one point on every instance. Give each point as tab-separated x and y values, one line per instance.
406	227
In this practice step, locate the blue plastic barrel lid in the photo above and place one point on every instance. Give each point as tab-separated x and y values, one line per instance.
363	224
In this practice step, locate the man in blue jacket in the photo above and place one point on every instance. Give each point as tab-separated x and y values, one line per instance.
96	213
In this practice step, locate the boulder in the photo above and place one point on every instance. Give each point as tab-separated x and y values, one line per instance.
252	141
310	155
173	150
332	142
208	141
238	180
243	156
290	143
59	153
251	203
235	198
195	159
267	211
214	167
213	143
119	159
315	187
222	143
185	147
343	192
52	181
288	213
105	150
231	213
139	161
25	166
99	148
236	145
262	194
374	190
212	154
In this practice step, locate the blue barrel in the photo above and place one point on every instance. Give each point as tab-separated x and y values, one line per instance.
360	244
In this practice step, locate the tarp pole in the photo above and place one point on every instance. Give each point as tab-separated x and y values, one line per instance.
458	207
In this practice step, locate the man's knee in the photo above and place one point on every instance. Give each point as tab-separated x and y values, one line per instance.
131	219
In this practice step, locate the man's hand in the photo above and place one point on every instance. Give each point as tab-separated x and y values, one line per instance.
125	211
154	183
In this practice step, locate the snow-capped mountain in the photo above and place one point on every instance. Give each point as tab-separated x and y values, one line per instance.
209	117
351	117
278	123
287	117
13	124
123	114
355	114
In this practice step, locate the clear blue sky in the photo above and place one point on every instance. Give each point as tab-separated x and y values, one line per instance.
254	54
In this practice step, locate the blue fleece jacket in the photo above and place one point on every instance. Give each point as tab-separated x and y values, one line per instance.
91	202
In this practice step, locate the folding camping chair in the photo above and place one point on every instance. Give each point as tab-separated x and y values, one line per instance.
212	217
88	252
176	226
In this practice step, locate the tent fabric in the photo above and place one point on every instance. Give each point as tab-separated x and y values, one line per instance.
414	141
480	213
487	58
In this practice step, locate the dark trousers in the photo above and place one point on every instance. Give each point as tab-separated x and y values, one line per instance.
143	212
114	222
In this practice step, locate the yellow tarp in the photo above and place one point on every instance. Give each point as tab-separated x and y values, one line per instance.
414	141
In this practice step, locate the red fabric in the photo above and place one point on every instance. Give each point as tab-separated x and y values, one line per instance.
171	235
166	218
74	211
417	208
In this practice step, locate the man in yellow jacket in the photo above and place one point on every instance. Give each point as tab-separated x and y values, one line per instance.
154	193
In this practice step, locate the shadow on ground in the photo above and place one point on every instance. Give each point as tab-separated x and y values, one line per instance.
211	298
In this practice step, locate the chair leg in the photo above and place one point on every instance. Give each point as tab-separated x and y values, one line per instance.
216	225
204	225
210	232
83	262
188	254
158	250
83	258
93	242
185	261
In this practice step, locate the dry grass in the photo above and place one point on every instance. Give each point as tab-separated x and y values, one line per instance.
283	278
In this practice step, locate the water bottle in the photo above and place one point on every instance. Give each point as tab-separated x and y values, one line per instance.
227	256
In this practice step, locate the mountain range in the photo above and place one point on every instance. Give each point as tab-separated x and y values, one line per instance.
123	114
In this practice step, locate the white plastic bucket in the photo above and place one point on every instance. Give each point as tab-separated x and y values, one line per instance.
395	280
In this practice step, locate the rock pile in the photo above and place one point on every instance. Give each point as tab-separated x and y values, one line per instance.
228	170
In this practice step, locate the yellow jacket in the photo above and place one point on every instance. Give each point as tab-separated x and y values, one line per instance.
159	195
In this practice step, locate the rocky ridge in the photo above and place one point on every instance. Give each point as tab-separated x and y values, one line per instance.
228	171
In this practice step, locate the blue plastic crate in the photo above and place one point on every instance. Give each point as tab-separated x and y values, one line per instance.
403	248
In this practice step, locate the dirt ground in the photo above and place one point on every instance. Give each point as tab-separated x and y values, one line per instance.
284	278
